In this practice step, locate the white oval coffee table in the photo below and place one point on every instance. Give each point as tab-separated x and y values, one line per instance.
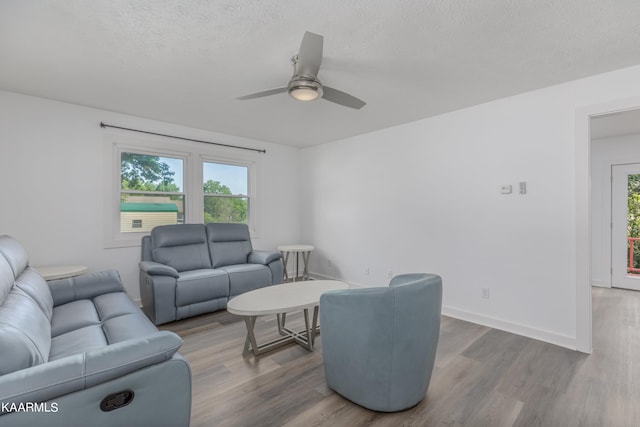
280	300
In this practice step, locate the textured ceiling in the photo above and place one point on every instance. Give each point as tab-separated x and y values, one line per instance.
186	61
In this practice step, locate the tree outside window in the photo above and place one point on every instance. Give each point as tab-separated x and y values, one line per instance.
150	192
225	189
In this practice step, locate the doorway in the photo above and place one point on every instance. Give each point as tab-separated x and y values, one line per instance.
625	226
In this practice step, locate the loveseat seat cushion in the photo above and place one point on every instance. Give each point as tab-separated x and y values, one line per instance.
182	246
246	277
201	285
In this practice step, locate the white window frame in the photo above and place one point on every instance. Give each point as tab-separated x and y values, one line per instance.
193	155
251	166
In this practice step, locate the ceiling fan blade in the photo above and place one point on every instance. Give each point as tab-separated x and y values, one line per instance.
342	98
310	55
263	93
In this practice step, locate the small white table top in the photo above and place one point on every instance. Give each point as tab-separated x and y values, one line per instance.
295	248
53	272
283	298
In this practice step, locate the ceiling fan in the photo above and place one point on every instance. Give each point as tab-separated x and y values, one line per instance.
304	85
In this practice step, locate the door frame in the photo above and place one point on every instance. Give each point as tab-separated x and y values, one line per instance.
582	206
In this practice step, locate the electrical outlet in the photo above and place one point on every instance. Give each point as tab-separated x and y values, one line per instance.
390	275
367	271
484	293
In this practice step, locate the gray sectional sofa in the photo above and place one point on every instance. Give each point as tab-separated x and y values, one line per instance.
191	269
78	351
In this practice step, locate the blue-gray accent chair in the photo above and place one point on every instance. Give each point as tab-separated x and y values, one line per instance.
379	344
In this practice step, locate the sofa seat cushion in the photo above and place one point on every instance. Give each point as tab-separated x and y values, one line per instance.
77	341
116	304
85	325
246	277
74	315
127	327
201	285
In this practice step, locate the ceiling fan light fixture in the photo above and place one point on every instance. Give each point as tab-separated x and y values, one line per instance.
303	93
304	89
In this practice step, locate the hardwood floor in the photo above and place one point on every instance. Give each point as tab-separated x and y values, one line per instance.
483	377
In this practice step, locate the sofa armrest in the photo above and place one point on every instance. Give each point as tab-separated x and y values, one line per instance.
86	286
263	257
80	371
156	269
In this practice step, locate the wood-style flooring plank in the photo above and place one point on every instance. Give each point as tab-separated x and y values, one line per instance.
482	376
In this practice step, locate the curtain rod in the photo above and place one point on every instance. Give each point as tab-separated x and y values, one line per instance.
104	125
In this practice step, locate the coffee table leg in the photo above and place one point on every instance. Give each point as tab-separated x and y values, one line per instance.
315	329
250	341
306	338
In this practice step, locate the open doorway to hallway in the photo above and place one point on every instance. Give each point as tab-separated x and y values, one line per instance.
615	196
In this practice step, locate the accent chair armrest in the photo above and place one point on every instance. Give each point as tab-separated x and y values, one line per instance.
80	371
156	269
86	286
263	257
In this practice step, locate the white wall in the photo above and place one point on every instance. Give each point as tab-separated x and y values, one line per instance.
605	153
425	196
51	169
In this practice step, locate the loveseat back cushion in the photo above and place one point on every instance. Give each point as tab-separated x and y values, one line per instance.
228	243
181	246
25	333
14	253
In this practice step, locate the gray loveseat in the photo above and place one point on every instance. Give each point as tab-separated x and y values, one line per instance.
191	269
78	351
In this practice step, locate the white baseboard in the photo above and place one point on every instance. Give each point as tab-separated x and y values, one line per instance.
515	328
491	322
600	284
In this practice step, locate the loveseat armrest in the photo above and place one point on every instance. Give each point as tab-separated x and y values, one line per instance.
263	257
86	286
80	371
153	268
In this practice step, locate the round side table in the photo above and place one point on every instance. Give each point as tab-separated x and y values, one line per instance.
53	272
305	250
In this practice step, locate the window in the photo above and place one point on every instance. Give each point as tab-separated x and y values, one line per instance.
150	191
150	182
226	195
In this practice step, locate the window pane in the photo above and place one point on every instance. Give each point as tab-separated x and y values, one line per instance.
142	212
226	209
226	191
150	173
220	178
